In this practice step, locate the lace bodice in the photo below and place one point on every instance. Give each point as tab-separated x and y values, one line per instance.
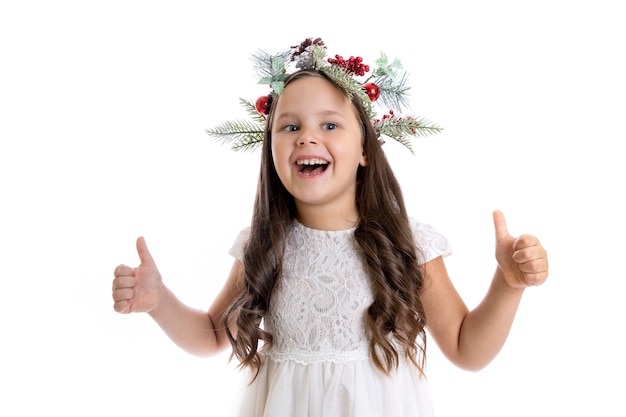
317	309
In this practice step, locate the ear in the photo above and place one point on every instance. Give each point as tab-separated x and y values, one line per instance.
363	160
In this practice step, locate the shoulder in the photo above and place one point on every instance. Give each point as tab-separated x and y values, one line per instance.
239	244
430	242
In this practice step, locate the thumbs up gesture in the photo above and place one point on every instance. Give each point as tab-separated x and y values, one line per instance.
522	261
137	289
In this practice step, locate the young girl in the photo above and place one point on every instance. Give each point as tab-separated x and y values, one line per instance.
334	286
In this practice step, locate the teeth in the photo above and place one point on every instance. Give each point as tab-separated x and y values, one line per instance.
314	161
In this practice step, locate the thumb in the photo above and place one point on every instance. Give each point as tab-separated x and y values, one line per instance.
500	224
144	254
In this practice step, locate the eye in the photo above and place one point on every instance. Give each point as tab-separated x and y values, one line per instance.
290	128
329	126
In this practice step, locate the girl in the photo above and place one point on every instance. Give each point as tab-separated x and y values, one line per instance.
333	286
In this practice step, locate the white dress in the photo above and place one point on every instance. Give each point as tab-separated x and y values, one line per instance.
319	363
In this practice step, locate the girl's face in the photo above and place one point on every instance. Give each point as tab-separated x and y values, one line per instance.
317	147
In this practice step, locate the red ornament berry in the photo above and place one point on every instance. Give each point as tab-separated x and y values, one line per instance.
263	104
372	91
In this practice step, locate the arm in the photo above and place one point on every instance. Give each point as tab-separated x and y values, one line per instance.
471	339
142	289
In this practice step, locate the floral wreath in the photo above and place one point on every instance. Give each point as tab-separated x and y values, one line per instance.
386	84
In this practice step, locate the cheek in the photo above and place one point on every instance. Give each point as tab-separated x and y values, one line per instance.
358	152
280	158
275	148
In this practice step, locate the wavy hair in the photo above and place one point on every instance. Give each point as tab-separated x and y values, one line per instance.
395	321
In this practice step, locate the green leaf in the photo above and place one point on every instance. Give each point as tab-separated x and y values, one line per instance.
270	68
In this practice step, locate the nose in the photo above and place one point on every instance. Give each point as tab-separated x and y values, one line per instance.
306	138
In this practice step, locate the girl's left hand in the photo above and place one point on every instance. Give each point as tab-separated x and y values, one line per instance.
522	261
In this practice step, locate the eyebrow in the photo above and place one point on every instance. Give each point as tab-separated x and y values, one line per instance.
321	113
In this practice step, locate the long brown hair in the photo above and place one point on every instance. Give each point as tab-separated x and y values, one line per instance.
383	234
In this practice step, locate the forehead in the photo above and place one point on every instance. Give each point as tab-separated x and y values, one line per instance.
313	93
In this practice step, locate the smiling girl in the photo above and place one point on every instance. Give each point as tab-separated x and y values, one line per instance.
334	287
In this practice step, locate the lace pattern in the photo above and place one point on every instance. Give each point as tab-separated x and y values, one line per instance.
317	308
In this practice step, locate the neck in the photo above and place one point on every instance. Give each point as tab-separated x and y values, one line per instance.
325	218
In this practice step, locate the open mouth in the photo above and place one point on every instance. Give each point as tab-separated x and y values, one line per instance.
311	167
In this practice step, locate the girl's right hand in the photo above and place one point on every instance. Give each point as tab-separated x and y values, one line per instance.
137	289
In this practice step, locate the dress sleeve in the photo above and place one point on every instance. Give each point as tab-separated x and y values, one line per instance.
430	242
240	243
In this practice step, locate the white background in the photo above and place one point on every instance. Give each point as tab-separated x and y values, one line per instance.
103	107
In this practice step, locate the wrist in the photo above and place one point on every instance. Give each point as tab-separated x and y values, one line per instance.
507	282
162	300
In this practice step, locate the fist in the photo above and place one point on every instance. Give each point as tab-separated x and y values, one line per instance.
522	260
137	289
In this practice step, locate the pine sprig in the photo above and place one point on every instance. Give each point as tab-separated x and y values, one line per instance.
345	81
250	108
402	128
241	135
394	91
